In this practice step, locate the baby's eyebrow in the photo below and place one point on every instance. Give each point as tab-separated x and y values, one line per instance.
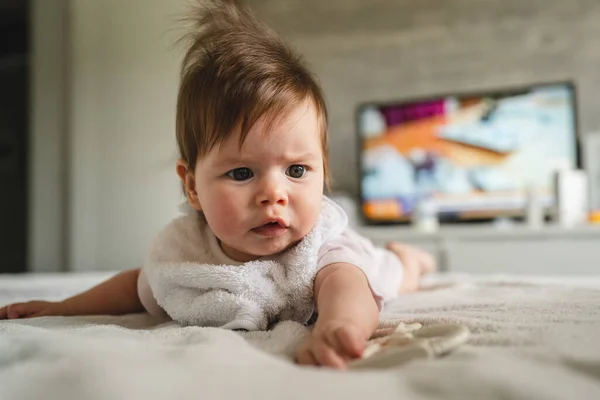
300	156
226	161
229	160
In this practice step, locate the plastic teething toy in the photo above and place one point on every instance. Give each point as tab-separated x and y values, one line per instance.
411	341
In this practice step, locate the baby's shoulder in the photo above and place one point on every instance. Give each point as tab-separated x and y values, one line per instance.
333	219
183	239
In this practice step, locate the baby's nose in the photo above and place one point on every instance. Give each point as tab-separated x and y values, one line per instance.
272	193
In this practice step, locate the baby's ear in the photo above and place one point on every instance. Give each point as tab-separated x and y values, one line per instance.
189	184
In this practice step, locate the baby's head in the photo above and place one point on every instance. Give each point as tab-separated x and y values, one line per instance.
252	134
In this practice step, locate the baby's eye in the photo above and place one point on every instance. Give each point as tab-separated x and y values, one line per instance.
240	174
296	171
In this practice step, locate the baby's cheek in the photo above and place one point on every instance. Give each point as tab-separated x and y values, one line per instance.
308	211
226	215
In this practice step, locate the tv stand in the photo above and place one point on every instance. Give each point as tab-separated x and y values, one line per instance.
517	249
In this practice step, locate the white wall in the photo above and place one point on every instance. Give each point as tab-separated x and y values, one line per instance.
123	84
47	189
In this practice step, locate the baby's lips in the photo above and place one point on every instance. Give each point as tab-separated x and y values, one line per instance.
278	220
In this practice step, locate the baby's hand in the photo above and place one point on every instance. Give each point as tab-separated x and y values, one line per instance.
32	309
332	345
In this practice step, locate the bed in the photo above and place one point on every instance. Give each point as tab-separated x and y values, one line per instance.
532	338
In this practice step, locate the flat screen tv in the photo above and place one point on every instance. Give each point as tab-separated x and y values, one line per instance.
474	154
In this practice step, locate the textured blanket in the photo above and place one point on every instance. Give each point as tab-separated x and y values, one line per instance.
531	338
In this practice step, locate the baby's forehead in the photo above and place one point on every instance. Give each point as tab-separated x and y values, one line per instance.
299	126
257	145
292	134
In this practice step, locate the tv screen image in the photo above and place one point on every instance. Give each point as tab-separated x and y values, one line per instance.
475	154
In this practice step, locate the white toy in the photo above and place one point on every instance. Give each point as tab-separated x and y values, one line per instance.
411	341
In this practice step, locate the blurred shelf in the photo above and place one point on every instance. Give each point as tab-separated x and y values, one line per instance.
478	232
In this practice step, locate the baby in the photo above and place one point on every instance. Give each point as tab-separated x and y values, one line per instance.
252	135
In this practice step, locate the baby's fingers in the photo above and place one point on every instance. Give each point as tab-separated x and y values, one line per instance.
18	310
4	312
326	356
305	357
318	353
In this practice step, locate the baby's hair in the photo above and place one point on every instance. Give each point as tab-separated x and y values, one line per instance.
235	71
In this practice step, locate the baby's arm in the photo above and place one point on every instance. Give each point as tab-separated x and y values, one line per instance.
353	281
118	295
348	315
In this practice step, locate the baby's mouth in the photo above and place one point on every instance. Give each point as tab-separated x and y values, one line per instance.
271	229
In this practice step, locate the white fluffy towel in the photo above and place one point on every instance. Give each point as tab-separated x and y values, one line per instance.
252	296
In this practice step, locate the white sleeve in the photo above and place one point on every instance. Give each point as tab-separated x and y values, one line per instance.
146	297
382	268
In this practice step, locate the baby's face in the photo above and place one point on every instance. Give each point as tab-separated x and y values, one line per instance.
266	196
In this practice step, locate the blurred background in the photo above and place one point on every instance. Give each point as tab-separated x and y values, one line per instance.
88	89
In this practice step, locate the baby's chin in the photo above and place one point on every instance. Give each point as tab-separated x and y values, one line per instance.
269	246
270	249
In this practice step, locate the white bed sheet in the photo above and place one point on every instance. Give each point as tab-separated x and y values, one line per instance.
532	338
